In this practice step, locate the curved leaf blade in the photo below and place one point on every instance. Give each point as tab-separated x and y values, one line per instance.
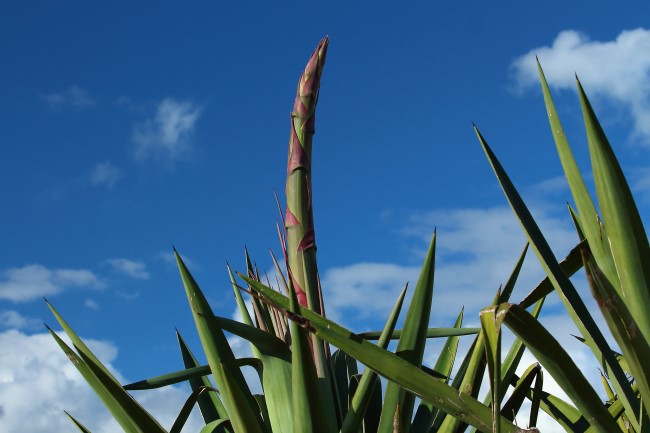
392	367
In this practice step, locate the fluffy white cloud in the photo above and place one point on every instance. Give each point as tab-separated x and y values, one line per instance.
38	382
73	96
15	320
348	289
166	136
476	250
105	174
34	281
618	70
131	268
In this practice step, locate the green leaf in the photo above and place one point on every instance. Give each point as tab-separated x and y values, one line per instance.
430	333
391	366
368	388
187	374
565	289
398	404
216	426
571	264
520	392
209	403
588	215
126	411
342	378
470	380
306	398
276	373
622	325
184	414
427	412
622	222
237	399
558	363
491	327
77	423
536	399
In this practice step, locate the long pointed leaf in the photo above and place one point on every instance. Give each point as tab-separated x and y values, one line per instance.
558	363
306	398
127	412
209	404
622	325
77	424
391	366
237	398
491	328
625	232
398	404
574	305
369	382
427	412
587	212
430	333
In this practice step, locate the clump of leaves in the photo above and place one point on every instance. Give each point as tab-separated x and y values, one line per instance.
307	388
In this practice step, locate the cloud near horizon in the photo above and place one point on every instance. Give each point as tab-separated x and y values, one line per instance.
38	383
11	319
35	281
617	70
476	250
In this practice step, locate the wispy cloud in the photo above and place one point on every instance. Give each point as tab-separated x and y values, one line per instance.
102	175
91	304
131	268
476	250
36	362
618	70
34	281
170	260
348	288
73	96
105	174
14	320
167	135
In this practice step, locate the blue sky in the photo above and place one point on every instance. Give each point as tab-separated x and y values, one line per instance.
131	127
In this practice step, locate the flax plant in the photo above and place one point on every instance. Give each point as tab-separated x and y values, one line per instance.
307	388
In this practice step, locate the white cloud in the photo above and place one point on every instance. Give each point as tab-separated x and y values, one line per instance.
105	174
13	319
618	70
167	135
476	250
73	96
35	362
348	289
170	259
34	281
131	268
91	304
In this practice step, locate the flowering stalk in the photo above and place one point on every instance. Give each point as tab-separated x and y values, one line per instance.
299	220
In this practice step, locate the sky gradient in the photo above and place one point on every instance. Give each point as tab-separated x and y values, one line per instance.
129	128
